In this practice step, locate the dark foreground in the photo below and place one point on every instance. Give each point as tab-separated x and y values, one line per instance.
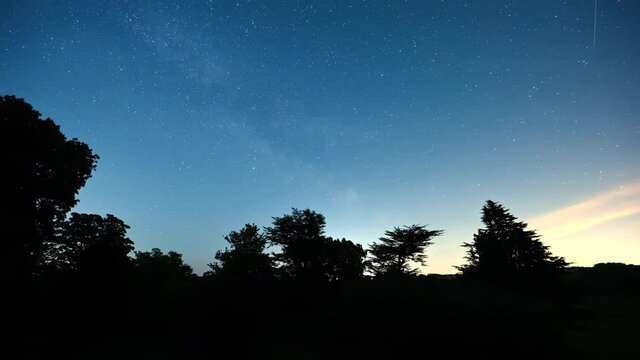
593	313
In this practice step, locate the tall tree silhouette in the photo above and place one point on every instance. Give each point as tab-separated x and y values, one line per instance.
399	248
504	247
43	172
92	245
245	259
307	254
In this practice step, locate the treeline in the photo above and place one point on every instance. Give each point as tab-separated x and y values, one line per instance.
45	171
76	288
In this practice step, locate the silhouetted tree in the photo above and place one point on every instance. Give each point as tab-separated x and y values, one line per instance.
399	248
344	259
92	245
156	267
245	259
505	247
307	254
42	173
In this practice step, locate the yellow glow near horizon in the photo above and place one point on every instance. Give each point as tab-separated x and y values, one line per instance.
603	228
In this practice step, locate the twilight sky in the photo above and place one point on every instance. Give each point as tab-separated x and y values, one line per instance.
209	115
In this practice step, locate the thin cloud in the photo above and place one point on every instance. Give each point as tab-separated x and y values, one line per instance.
618	203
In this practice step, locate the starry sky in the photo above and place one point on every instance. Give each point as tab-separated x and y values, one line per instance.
210	115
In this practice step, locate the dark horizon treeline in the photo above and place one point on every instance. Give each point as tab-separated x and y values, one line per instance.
46	171
73	289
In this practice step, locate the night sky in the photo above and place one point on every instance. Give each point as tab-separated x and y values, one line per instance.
209	115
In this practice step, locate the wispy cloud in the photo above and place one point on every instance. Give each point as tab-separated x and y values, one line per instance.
620	202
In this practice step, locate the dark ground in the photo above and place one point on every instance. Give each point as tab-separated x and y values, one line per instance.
593	313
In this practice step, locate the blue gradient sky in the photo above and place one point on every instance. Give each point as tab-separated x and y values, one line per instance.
210	115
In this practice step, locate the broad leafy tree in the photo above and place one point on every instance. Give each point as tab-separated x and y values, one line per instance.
344	259
505	247
155	266
245	259
400	249
42	174
307	254
91	245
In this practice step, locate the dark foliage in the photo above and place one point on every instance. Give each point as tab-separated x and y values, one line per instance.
90	245
156	267
344	259
399	248
307	254
43	172
506	249
245	259
608	278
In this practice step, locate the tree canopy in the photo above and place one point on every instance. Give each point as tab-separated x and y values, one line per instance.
305	251
505	247
155	266
399	248
245	259
344	259
91	245
43	174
